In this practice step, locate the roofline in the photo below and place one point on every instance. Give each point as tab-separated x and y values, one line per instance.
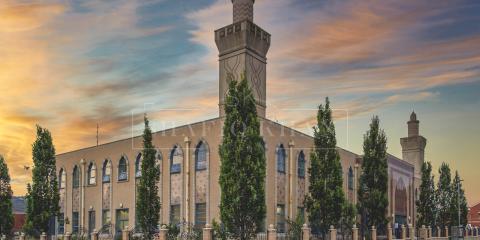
123	139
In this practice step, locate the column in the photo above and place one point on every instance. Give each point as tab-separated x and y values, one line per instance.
186	181
404	232
373	233
291	170
411	229
83	173
389	232
67	236
43	236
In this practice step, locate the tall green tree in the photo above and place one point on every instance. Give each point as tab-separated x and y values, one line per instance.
459	201
326	198
243	164
6	215
444	196
372	192
42	196
148	200
426	206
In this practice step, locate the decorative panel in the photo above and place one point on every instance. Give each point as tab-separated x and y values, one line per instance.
301	192
201	179
76	199
281	186
106	196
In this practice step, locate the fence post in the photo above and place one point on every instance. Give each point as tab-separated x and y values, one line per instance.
354	232
404	232
43	236
446	231
306	232
411	230
272	233
423	233
389	232
332	233
67	236
125	235
373	232
94	234
429	236
163	232
22	236
207	232
439	232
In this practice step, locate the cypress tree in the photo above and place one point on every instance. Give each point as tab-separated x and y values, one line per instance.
243	164
444	196
372	192
326	199
458	200
42	195
6	215
148	201
426	206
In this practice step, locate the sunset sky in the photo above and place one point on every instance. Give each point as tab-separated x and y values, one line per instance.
68	65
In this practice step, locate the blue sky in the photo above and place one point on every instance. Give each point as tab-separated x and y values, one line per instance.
69	65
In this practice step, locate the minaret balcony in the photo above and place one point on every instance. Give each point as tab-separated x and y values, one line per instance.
240	35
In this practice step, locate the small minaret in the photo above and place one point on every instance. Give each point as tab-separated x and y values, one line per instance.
243	48
413	146
413	152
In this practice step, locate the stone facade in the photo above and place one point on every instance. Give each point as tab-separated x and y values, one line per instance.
189	162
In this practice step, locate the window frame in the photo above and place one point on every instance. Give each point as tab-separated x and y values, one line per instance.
280	216
177	167
138	165
76	177
350	179
62	179
75	219
92	169
281	165
201	148
200	215
301	167
106	177
173	218
122	176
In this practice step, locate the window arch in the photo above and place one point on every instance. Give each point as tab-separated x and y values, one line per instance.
138	165
281	155
201	156
76	177
301	165
106	171
92	174
122	169
62	179
350	178
176	158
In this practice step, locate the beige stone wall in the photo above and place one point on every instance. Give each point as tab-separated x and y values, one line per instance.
203	186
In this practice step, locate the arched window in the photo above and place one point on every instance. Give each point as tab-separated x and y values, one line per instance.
350	178
76	177
138	166
201	157
281	155
301	164
92	174
106	171
176	158
62	177
122	169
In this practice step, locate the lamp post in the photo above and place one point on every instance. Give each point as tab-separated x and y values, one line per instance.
458	205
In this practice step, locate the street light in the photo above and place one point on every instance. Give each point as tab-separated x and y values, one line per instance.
458	203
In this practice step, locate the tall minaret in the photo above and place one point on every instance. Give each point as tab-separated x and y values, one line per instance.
243	48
